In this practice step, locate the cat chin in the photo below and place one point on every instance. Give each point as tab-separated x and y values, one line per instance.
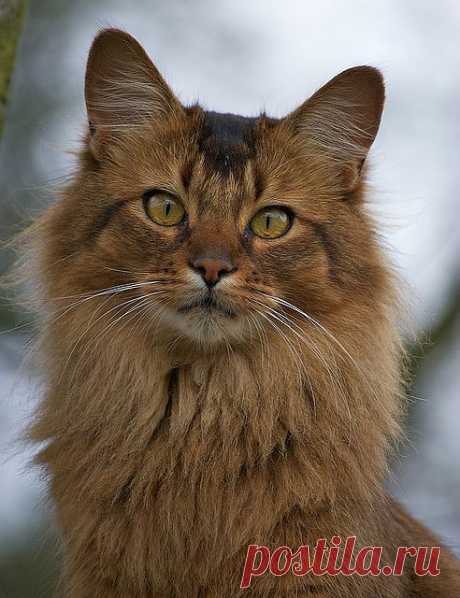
206	328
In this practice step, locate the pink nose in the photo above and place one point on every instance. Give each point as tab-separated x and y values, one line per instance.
212	269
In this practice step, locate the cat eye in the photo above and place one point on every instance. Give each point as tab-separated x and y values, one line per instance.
271	223
163	209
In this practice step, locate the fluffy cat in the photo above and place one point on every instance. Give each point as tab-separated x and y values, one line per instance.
220	343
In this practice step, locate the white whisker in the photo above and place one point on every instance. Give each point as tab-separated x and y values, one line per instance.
297	359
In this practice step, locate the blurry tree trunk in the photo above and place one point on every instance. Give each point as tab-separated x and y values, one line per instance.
440	334
438	341
12	14
11	18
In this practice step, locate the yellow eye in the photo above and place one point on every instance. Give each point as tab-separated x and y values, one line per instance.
270	223
163	209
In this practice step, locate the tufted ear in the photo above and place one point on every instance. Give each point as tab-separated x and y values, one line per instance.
342	119
123	88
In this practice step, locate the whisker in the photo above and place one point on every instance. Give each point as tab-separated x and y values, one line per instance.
134	272
294	353
93	322
284	319
312	392
108	290
326	332
262	337
313	321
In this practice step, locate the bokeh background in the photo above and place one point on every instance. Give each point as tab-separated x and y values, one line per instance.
241	56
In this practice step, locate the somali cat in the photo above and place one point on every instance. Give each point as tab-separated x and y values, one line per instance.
223	365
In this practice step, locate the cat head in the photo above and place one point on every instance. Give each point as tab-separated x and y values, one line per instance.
215	227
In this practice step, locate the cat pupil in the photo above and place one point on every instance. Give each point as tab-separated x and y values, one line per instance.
167	208
267	221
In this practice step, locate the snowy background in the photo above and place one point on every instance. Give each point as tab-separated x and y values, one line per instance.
241	56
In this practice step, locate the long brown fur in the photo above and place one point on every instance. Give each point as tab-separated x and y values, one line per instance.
173	441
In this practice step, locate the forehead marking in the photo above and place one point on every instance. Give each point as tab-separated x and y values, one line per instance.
227	142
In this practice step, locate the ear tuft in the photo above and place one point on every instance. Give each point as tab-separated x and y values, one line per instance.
123	88
342	119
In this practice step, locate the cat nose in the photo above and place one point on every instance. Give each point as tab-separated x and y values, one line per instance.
212	269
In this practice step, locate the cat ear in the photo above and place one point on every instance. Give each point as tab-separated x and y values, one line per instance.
123	88
342	119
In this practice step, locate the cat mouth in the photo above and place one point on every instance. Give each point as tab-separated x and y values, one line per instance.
207	304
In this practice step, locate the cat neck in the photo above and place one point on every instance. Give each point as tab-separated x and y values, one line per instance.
223	413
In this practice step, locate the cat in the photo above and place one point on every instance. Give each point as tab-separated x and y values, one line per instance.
220	343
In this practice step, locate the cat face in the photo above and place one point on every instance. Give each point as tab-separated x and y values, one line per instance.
220	225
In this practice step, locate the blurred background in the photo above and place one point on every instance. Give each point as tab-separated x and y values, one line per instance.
240	56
